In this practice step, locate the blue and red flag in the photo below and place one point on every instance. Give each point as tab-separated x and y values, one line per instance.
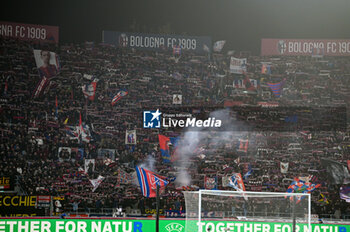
248	83
299	186
149	180
118	96
243	145
176	50
164	148
211	183
89	90
236	182
248	173
41	86
72	132
276	88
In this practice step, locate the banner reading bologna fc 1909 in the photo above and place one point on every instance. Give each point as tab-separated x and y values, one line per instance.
21	31
156	41
305	47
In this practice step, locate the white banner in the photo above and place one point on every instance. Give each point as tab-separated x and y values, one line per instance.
130	137
284	167
225	181
96	182
47	63
89	165
237	65
177	99
219	45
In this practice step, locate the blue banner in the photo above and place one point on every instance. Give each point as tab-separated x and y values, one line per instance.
157	42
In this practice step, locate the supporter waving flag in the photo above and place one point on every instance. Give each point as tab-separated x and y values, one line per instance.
118	96
89	90
323	199
276	88
72	131
48	67
248	173
219	45
96	182
41	86
164	148
211	183
149	180
250	84
236	182
243	145
299	186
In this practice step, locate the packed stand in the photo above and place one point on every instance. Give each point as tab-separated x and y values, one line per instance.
36	147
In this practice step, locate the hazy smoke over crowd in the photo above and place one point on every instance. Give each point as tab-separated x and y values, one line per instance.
196	142
149	163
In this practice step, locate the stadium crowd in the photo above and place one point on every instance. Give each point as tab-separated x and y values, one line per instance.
46	160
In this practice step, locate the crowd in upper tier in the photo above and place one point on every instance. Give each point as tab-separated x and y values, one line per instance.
37	150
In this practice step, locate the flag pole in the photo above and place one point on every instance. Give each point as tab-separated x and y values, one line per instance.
86	102
157	207
293	212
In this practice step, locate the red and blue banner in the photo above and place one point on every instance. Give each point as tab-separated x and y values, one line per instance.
148	181
276	88
164	148
243	145
32	32
118	96
211	183
89	90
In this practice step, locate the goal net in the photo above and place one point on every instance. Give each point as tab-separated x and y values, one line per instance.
216	210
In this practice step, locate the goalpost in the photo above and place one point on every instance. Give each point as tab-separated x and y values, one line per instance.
218	210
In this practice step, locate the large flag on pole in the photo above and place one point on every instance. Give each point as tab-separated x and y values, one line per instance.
236	182
336	171
148	181
299	186
164	148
